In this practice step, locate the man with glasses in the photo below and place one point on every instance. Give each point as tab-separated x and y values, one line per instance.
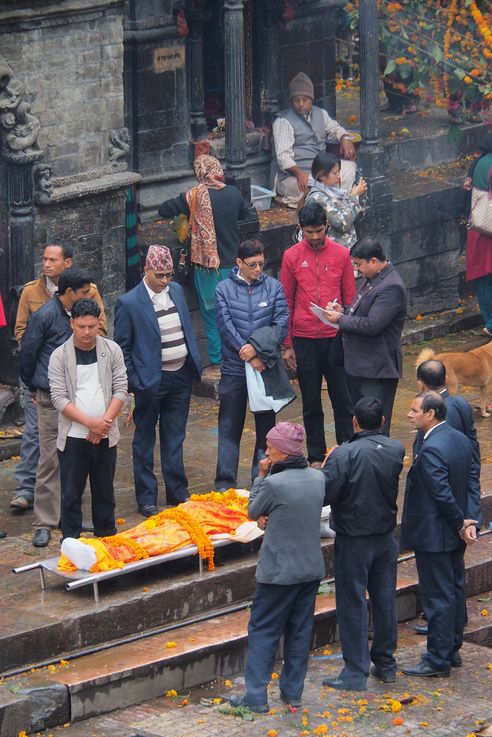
152	325
247	300
371	327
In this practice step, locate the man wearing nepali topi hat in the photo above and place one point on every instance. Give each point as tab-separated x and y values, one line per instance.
152	325
290	495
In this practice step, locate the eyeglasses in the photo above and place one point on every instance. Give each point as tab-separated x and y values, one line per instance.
167	275
254	264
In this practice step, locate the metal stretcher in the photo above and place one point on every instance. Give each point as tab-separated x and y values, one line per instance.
78	578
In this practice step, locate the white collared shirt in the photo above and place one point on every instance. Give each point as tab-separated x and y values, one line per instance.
432	428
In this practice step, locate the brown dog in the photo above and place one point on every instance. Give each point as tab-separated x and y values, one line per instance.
472	367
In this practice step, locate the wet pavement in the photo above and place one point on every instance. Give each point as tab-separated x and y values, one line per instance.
25	607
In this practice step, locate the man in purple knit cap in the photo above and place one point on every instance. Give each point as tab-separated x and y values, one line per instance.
286	499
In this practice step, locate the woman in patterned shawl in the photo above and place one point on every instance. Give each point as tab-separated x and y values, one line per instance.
213	209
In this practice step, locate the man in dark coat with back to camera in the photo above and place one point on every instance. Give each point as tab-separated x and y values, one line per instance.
286	499
440	517
361	485
152	325
371	327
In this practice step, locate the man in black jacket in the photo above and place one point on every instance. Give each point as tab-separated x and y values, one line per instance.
361	485
47	329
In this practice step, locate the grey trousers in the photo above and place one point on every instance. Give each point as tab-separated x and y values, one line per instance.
25	470
47	495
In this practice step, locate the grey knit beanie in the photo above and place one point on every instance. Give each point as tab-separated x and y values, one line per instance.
301	85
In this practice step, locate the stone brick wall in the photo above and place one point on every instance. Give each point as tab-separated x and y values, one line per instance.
70	59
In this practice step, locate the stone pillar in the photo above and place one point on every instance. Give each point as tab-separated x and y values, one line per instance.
198	124
268	79
235	138
371	152
21	221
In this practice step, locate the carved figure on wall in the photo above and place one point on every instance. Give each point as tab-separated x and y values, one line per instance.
19	128
43	186
119	145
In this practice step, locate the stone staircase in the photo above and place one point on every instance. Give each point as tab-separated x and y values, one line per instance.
185	631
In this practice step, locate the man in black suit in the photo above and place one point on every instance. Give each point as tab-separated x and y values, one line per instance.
371	327
361	484
440	516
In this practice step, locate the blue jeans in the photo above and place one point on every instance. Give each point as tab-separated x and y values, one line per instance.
25	470
276	611
233	395
483	290
170	406
367	563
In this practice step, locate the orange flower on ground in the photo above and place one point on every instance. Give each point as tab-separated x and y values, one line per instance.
184	702
423	724
321	729
274	676
467	79
484	613
352	119
398	721
227	683
171	645
272	733
171	694
120	521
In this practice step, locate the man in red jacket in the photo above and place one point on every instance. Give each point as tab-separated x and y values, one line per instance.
317	270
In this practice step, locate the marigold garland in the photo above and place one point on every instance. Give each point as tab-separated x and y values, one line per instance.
197	534
122	539
481	23
230	498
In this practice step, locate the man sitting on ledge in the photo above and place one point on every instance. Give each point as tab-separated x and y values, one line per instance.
300	133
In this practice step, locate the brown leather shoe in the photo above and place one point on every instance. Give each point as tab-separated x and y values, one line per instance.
20	504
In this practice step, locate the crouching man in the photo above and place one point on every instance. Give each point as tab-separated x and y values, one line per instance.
290	495
88	386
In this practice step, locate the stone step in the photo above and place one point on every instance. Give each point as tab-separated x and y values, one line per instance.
194	654
140	602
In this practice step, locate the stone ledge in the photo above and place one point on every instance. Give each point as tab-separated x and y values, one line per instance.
106	183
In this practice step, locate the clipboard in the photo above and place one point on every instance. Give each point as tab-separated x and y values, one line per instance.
320	314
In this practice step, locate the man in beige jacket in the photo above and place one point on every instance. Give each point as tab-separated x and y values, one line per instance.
88	387
56	258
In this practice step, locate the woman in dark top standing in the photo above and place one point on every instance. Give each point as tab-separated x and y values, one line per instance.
214	209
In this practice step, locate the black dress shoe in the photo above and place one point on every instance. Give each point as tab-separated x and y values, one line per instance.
421	629
296	703
241	701
381	676
147	510
343	685
456	660
85	527
3	533
424	670
41	537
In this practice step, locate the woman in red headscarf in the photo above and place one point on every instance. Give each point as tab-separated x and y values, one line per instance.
214	209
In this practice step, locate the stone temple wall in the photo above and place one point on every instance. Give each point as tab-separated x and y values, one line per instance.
68	55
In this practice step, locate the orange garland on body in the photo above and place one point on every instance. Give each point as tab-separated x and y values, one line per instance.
197	534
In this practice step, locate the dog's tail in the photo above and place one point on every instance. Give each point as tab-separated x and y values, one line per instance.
426	354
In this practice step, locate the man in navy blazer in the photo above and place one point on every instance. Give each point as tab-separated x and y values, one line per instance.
152	325
440	516
371	328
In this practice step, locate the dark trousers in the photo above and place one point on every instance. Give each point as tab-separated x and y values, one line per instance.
382	389
313	363
277	611
366	563
443	596
170	406
81	460
233	395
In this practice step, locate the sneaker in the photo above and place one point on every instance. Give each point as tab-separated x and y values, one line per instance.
20	504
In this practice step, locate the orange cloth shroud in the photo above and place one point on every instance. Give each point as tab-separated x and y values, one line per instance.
190	523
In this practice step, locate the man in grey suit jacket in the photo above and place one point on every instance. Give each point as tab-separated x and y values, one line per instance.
288	496
372	326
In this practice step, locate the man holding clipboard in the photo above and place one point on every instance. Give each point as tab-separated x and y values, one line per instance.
371	328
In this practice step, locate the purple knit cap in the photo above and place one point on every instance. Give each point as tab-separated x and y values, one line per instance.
288	437
159	259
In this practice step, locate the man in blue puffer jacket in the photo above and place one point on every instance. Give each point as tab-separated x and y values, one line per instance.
247	300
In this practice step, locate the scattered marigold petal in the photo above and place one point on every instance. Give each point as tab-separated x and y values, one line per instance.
274	676
419	317
272	712
171	693
227	683
272	733
484	613
145	589
398	721
170	645
120	521
423	724
52	668
217	700
327	652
